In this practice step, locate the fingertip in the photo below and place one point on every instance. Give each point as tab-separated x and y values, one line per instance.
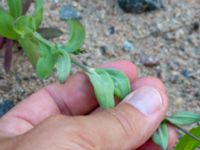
149	80
155	83
172	136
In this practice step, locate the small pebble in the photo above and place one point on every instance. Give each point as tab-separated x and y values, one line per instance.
173	65
111	30
195	26
105	51
197	95
5	107
185	73
149	61
67	12
179	102
139	6
174	78
128	46
168	36
54	4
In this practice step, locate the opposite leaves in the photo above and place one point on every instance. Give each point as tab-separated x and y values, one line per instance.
121	83
160	137
107	83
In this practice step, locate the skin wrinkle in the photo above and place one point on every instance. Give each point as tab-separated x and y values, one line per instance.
122	120
62	106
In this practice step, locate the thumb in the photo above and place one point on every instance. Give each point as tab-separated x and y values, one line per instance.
131	123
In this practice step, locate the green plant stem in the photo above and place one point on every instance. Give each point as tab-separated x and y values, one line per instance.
186	132
84	67
43	40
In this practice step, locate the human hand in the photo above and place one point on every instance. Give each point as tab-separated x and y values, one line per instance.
60	117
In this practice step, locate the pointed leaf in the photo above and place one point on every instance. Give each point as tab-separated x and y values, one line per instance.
49	33
121	83
188	143
160	137
24	25
38	13
103	87
63	67
45	66
6	28
76	37
15	7
30	48
184	118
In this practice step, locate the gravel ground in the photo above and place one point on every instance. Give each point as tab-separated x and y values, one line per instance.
165	44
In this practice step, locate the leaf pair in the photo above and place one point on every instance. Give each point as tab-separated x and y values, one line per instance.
160	137
50	59
13	24
107	83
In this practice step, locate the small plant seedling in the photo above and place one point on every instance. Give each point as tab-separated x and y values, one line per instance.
46	57
7	44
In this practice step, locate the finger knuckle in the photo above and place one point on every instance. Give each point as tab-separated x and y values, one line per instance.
126	123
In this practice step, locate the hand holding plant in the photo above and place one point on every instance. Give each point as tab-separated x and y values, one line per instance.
108	83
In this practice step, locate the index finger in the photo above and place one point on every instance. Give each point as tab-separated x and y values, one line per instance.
75	97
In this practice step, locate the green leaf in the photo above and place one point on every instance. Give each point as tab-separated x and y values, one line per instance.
184	118
6	28
63	66
188	143
49	33
103	87
160	137
76	37
38	13
24	25
121	83
44	49
15	7
30	48
45	66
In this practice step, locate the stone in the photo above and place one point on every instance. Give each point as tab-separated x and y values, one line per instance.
173	65
174	78
139	6
5	107
105	51
149	61
54	4
68	12
195	26
185	73
128	46
168	36
111	30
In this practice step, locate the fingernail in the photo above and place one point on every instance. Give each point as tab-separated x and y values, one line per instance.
146	99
